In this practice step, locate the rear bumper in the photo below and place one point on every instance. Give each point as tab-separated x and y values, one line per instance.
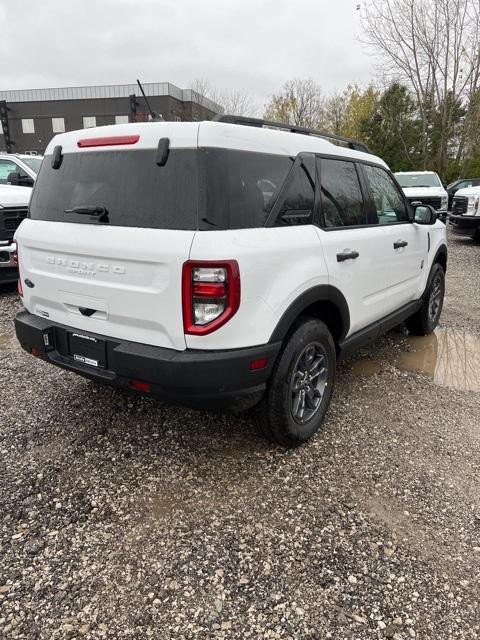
195	378
464	225
8	269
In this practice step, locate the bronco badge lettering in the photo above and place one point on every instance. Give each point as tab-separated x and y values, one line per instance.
86	268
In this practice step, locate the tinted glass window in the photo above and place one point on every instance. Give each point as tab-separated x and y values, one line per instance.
6	167
297	205
389	204
128	184
240	187
341	195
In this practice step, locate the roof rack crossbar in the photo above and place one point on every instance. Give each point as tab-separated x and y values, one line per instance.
269	124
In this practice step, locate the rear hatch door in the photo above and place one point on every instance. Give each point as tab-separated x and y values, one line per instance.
108	234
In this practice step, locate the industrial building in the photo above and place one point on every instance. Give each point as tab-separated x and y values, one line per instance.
30	118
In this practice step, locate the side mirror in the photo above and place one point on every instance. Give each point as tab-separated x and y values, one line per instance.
20	181
424	214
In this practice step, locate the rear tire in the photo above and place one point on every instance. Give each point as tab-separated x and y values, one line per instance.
424	321
300	387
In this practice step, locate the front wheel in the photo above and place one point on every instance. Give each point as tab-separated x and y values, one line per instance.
424	321
301	385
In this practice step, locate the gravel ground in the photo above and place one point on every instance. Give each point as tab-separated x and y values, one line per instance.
123	518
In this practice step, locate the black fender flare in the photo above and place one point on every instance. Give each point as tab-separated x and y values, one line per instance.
320	293
442	250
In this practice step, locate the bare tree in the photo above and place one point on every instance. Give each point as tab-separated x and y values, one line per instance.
237	102
205	91
434	46
299	103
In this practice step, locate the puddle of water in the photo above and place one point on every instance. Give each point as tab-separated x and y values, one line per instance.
364	367
450	357
5	340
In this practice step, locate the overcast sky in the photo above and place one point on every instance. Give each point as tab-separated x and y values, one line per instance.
255	45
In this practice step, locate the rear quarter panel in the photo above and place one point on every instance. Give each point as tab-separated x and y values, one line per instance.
276	266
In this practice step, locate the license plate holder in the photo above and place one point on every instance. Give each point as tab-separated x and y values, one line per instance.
87	350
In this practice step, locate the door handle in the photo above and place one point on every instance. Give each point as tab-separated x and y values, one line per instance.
399	244
347	254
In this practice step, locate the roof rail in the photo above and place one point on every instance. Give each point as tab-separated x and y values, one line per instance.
268	124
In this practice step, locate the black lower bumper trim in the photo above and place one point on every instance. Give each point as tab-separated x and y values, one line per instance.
195	378
464	225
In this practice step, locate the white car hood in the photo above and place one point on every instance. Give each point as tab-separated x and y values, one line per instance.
11	196
425	192
468	191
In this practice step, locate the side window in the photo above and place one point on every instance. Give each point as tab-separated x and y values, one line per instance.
389	204
341	194
6	167
297	205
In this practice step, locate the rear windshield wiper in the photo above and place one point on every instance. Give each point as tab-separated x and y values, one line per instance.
97	212
87	210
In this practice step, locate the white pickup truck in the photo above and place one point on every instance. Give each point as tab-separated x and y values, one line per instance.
17	177
464	218
13	209
425	187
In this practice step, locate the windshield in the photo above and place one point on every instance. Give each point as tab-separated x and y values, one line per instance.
207	189
33	162
418	180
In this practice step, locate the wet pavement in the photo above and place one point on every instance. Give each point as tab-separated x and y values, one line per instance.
451	358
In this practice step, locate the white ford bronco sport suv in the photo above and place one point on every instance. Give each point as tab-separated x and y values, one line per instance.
222	264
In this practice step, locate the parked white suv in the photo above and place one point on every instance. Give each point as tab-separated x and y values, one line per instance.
217	264
425	187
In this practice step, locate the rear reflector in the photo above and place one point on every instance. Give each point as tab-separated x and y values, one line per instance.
36	352
108	142
259	363
138	385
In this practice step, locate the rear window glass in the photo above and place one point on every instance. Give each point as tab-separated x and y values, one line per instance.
127	184
207	189
240	187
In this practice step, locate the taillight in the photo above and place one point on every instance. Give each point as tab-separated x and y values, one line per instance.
211	295
16	261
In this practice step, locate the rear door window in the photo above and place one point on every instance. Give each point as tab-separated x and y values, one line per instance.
341	194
